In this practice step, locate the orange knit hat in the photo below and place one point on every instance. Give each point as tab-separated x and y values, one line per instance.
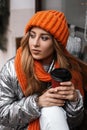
53	22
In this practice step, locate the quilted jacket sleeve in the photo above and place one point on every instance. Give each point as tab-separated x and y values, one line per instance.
16	111
75	111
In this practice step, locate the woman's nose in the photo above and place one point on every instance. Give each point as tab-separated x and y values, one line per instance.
36	41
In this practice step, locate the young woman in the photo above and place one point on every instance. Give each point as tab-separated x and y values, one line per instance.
27	99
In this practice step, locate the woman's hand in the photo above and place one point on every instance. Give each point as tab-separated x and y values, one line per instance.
57	96
67	89
50	98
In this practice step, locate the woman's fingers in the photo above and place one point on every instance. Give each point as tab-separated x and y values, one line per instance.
57	96
49	98
68	90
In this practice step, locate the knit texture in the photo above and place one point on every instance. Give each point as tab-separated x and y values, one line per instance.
41	74
53	22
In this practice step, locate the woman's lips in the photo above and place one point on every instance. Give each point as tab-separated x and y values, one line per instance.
36	51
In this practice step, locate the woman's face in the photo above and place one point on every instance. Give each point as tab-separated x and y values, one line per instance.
41	45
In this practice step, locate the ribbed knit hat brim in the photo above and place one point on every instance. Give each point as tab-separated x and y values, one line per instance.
53	22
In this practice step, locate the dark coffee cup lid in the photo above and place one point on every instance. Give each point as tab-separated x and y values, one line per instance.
61	74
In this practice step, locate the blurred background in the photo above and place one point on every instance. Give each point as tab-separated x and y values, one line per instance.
14	15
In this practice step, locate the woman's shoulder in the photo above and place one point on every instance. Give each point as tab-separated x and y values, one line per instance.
8	66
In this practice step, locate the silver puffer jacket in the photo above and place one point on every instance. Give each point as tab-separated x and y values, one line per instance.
16	110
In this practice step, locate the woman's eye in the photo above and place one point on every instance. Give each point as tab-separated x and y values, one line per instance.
44	38
32	35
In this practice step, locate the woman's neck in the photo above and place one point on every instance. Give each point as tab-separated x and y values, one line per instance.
47	61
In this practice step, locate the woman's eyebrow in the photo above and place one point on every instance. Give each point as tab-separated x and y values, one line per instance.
43	33
31	32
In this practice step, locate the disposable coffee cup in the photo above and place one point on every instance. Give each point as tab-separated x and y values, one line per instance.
60	75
